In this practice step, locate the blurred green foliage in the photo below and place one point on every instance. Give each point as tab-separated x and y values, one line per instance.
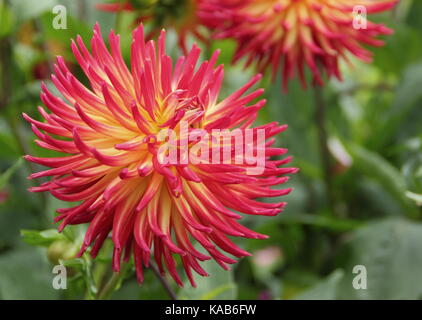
374	219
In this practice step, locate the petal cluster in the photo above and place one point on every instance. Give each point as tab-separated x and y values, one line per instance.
294	34
107	134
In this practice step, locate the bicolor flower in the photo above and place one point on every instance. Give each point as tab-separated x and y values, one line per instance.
111	164
294	34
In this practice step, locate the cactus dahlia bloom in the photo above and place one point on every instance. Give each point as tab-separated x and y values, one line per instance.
297	33
113	162
180	15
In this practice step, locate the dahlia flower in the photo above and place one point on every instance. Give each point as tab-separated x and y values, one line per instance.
113	155
180	15
297	33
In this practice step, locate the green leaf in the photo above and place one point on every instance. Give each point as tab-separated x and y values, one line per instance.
27	9
408	91
415	197
6	18
8	148
326	222
407	95
41	238
77	263
323	290
84	267
24	274
390	251
219	285
5	177
376	167
391	57
74	27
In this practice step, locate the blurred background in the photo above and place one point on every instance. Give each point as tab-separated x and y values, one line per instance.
360	207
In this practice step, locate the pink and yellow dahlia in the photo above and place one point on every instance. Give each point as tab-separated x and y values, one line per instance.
178	15
114	155
297	33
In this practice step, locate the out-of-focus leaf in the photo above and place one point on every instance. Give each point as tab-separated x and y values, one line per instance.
41	238
28	9
16	214
227	50
414	18
378	201
391	253
412	170
6	18
5	177
309	169
86	12
392	57
8	148
415	197
325	289
326	222
25	275
63	36
26	56
376	167
295	108
407	96
402	9
408	91
219	285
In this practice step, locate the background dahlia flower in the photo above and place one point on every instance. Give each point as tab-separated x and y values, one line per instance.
112	167
297	33
178	15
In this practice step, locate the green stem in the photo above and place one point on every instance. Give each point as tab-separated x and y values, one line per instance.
163	281
100	269
115	280
320	119
110	287
113	283
118	20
